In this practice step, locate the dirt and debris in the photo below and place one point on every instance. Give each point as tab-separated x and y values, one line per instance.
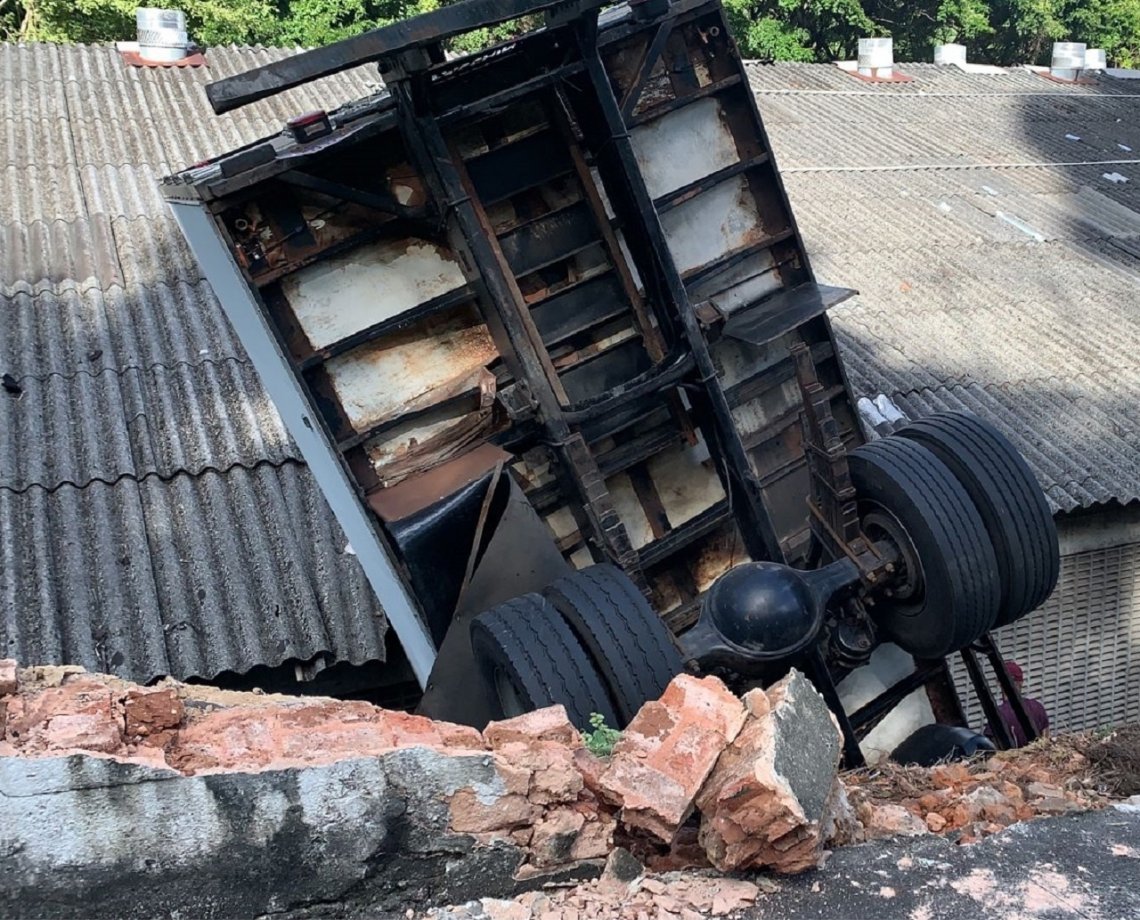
644	896
970	800
1115	759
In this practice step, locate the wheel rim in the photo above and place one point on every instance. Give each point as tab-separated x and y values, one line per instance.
509	699
908	587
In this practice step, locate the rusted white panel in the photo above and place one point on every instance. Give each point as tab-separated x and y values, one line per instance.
724	550
421	446
716	222
888	665
683	146
686	482
630	511
737	361
413	369
337	297
741	285
759	413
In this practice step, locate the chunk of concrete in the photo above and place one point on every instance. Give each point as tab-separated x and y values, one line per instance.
667	752
765	802
893	821
94	838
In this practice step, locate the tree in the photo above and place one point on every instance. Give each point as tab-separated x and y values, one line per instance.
208	21
1113	25
318	22
997	31
918	27
797	30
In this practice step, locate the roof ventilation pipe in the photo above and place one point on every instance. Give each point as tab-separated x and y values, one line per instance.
1095	59
877	57
162	34
950	53
1068	60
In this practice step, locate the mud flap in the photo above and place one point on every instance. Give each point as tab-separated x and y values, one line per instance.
520	557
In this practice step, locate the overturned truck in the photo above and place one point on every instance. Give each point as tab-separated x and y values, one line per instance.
542	324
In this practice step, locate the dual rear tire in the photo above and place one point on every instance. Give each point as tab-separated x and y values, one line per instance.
590	642
979	546
978	551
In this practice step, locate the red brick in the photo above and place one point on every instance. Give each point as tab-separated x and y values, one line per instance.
549	724
554	837
893	821
151	711
595	839
9	676
474	814
667	752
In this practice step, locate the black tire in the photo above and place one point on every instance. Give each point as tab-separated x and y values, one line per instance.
1011	503
957	598
524	646
628	642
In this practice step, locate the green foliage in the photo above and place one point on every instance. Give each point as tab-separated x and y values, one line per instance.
797	30
601	740
997	31
209	22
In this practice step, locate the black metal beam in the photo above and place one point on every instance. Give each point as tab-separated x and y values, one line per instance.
782	311
990	649
644	227
686	534
417	32
993	718
648	62
866	715
377	201
703	184
510	321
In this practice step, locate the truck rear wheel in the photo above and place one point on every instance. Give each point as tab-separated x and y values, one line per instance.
947	592
628	642
530	660
1009	499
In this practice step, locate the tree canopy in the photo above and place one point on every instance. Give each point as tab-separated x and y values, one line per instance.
996	31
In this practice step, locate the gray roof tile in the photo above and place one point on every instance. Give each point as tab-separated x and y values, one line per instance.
154	518
996	274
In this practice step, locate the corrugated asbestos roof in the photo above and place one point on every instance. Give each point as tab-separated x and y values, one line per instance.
154	516
997	251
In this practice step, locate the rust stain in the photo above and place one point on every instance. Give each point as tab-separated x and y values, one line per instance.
718	554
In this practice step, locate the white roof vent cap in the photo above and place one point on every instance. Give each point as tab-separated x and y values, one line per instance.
1068	60
950	53
877	57
1095	59
162	34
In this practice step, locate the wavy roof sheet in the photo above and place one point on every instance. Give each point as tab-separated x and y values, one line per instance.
992	225
154	515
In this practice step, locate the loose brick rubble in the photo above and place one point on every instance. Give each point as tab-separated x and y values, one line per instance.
700	778
762	793
971	800
625	891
